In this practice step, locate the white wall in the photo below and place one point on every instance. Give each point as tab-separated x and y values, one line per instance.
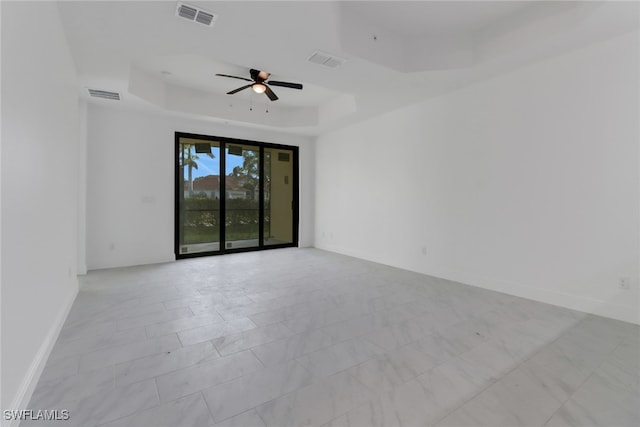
526	183
130	183
40	133
82	189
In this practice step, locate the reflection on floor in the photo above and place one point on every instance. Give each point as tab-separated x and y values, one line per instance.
298	337
234	244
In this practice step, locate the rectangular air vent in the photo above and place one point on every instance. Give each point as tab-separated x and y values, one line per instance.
326	59
283	157
204	18
203	148
234	150
187	12
104	94
195	14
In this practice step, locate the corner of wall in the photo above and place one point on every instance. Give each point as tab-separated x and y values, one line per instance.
306	195
82	189
30	380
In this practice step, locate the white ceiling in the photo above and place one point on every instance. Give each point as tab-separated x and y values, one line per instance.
397	52
435	18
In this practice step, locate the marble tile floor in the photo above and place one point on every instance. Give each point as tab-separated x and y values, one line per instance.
303	337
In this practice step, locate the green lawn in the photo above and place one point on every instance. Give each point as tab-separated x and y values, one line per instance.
203	234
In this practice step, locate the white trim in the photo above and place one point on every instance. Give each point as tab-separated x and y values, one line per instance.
132	262
571	301
82	270
30	380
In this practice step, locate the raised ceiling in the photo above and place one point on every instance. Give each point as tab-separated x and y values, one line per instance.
396	52
435	18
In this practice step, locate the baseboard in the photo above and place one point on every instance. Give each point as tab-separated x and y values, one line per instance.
131	262
581	303
571	301
354	253
22	398
82	270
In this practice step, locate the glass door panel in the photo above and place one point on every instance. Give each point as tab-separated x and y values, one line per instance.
198	187
234	195
278	196
242	196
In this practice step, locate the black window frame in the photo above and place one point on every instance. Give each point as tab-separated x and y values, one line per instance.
224	141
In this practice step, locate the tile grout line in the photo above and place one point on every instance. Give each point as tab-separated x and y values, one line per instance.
303	304
201	392
491	383
604	359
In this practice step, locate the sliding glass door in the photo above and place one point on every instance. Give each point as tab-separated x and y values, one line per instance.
278	196
234	195
242	196
198	193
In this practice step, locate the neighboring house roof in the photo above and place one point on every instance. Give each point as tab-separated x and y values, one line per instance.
212	183
209	182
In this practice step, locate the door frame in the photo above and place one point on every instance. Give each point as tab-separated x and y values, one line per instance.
224	141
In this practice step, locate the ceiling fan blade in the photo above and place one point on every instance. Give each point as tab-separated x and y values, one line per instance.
285	84
234	77
239	89
272	96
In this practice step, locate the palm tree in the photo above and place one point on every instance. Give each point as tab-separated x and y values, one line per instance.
248	173
190	160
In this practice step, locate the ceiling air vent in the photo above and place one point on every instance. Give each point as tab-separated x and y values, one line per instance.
104	94
326	59
195	14
205	18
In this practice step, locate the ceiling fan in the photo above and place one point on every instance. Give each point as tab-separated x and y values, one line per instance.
259	83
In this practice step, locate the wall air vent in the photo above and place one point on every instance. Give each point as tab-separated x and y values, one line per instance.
326	59
203	148
195	14
104	94
234	150
283	157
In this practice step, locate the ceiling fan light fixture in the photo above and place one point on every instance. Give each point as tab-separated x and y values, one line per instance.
258	81
258	88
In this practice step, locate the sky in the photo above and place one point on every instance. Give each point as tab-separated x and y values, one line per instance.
209	166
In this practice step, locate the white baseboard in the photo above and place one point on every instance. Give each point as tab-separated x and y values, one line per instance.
82	270
30	380
571	301
625	313
103	265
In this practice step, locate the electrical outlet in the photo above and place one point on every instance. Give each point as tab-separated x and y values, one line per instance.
424	250
625	283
